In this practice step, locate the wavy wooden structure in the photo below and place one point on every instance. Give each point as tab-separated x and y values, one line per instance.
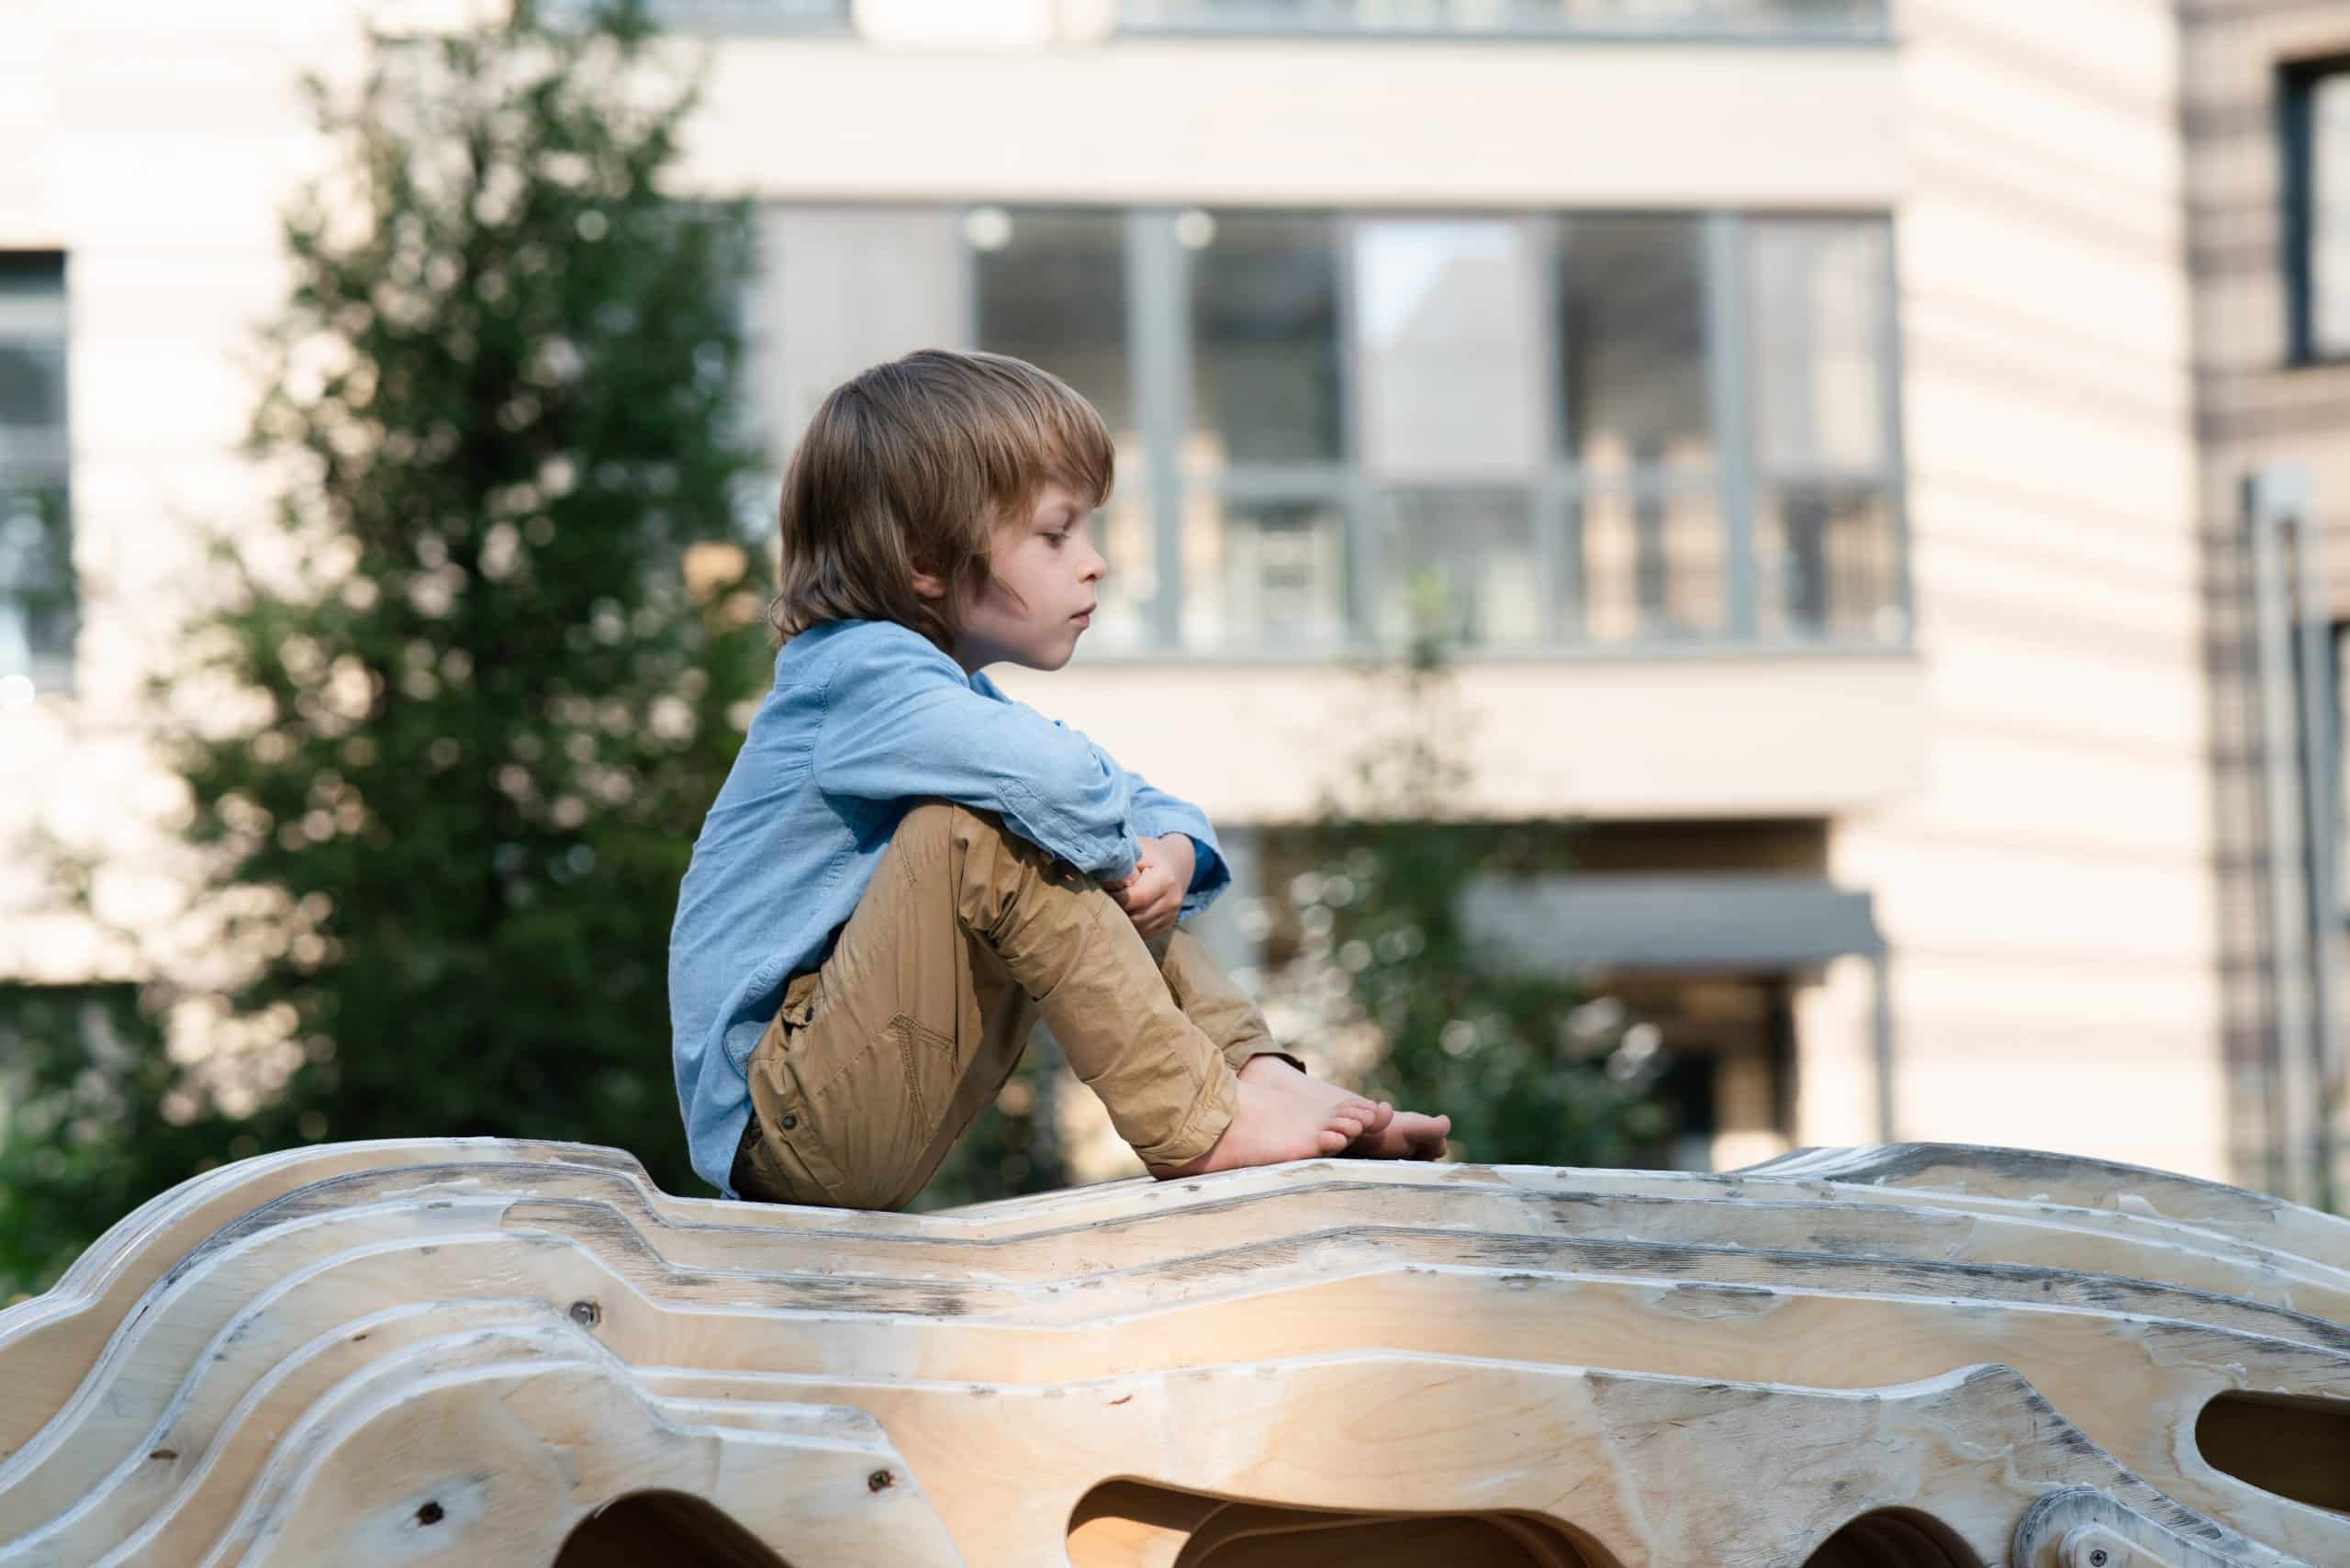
472	1352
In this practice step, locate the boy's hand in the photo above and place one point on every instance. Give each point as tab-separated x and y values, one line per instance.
1153	896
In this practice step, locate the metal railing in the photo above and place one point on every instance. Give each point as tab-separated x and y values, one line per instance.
1824	21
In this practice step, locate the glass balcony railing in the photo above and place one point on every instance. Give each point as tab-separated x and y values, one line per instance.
1825	19
729	16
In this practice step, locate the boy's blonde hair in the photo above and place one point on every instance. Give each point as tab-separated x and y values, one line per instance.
910	465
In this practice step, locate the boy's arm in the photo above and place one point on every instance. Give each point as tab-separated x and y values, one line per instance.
1157	814
900	723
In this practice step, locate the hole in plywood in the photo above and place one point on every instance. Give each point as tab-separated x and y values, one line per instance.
669	1527
1894	1537
1131	1521
2296	1446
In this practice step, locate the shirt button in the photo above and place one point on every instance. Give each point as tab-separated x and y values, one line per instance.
788	1121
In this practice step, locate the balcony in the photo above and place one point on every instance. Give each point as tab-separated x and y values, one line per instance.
1809	21
1545	435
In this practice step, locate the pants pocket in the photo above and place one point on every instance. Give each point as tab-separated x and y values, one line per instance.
757	1174
780	1159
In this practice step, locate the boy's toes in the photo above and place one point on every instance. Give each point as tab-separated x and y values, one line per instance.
1407	1135
1427	1142
1330	1141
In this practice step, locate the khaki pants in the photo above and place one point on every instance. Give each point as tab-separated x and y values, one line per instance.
966	936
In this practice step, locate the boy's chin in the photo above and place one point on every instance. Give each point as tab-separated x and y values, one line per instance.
1048	653
1048	659
1034	658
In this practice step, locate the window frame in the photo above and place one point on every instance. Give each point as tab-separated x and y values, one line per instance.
47	477
2297	82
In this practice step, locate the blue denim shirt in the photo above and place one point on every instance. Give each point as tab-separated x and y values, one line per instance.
866	719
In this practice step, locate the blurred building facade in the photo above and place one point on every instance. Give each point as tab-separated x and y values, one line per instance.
1797	399
2265	115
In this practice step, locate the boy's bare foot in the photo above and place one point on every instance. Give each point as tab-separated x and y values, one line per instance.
1387	1133
1272	1072
1271	1126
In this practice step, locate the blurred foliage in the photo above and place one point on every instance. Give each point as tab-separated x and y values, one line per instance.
81	1072
1367	943
452	738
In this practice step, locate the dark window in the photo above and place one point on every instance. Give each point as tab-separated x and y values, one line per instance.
2317	207
35	560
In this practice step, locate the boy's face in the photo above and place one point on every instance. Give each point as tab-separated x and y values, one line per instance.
1049	559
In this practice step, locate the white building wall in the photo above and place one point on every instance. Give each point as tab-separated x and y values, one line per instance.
155	147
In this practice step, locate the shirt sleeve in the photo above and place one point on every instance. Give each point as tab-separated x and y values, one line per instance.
901	722
1157	814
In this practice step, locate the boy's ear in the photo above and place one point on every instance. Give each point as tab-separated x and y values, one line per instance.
927	582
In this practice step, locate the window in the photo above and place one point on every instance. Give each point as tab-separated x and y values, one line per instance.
1051	287
2317	207
1820	388
36	561
1264	557
842	288
1697	18
1537	432
1637	421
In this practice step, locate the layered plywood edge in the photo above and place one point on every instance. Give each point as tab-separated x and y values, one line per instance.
474	1352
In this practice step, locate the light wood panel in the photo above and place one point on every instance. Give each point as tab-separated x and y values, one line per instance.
464	1351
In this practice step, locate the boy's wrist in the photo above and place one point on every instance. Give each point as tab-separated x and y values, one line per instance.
1178	847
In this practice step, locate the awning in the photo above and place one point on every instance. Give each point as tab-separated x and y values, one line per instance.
1678	921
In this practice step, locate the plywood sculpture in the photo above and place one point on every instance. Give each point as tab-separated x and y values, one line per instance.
486	1353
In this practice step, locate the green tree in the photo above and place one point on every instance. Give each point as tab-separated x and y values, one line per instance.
1372	968
449	741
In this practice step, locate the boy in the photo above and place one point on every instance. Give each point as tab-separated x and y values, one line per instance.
905	869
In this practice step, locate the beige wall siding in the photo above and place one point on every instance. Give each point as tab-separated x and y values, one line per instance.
2047	893
1383	123
1690	739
